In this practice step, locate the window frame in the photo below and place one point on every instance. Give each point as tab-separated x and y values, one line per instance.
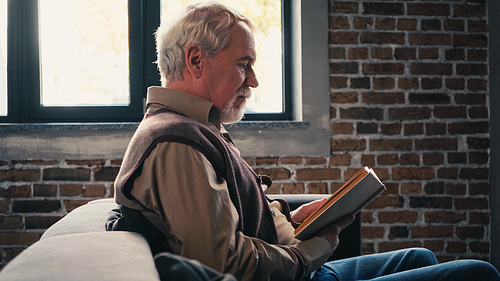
23	71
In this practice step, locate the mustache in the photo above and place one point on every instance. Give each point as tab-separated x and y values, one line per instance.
244	92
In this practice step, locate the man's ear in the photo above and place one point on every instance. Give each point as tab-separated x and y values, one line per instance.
194	60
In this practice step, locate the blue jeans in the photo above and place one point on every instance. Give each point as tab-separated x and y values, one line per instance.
409	265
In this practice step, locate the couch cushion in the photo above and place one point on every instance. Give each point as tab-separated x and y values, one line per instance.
87	256
87	218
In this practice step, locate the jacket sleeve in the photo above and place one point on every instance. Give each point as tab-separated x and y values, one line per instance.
194	204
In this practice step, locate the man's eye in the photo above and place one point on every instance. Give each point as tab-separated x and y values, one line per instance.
244	65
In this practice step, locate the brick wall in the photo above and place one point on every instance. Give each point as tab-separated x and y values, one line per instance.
408	96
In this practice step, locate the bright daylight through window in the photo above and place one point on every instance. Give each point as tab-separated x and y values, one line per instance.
268	97
84	52
3	58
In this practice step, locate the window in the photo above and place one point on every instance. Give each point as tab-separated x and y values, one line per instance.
93	62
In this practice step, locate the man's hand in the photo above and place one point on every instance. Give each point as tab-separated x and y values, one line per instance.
331	232
305	210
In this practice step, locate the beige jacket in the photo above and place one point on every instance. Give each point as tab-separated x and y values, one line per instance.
181	185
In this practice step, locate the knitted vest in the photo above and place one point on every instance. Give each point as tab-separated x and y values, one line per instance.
255	216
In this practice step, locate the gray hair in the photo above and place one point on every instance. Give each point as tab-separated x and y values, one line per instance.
205	24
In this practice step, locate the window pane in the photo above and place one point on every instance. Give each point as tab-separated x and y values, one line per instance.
266	15
84	52
3	58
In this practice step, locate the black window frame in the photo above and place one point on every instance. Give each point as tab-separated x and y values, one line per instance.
144	18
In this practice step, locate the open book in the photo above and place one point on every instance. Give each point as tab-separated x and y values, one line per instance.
355	194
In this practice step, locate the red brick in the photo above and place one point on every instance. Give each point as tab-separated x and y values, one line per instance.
366	217
385	83
390	129
315	160
383	97
472	232
407	24
477	26
480	188
405	54
432	129
16	175
456	189
413	129
40	222
383	68
274	189
427	9
293	188
470	99
343	37
388	159
248	160
45	190
476	85
371	232
392	246
454	54
480	112
19	238
456	247
474	173
413	173
454	112
116	162
455	84
472	40
4	206
16	191
472	69
390	145
468	128
78	174
382	173
381	53
385	23
339	22
70	205
318	174
436	144
480	158
351	97
36	206
382	38
411	188
398	217
344	68
106	173
471	203
344	7
368	160
340	160
94	190
479	218
382	202
34	162
431	68
348	145
434	245
12	252
479	247
367	248
362	23
430	24
71	189
291	160
432	83
431	159
469	11
409	113
410	159
426	39
447	173
428	53
366	128
317	188
266	160
477	55
98	162
336	53
11	222
454	25
338	82
342	128
274	173
432	231
408	83
444	217
379	8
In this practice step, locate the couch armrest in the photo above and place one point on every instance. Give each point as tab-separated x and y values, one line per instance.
350	237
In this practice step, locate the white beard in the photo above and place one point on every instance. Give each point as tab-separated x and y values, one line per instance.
231	113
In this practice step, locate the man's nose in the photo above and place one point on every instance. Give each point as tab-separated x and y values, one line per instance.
251	80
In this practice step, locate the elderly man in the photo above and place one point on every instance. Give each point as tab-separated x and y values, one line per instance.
199	198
